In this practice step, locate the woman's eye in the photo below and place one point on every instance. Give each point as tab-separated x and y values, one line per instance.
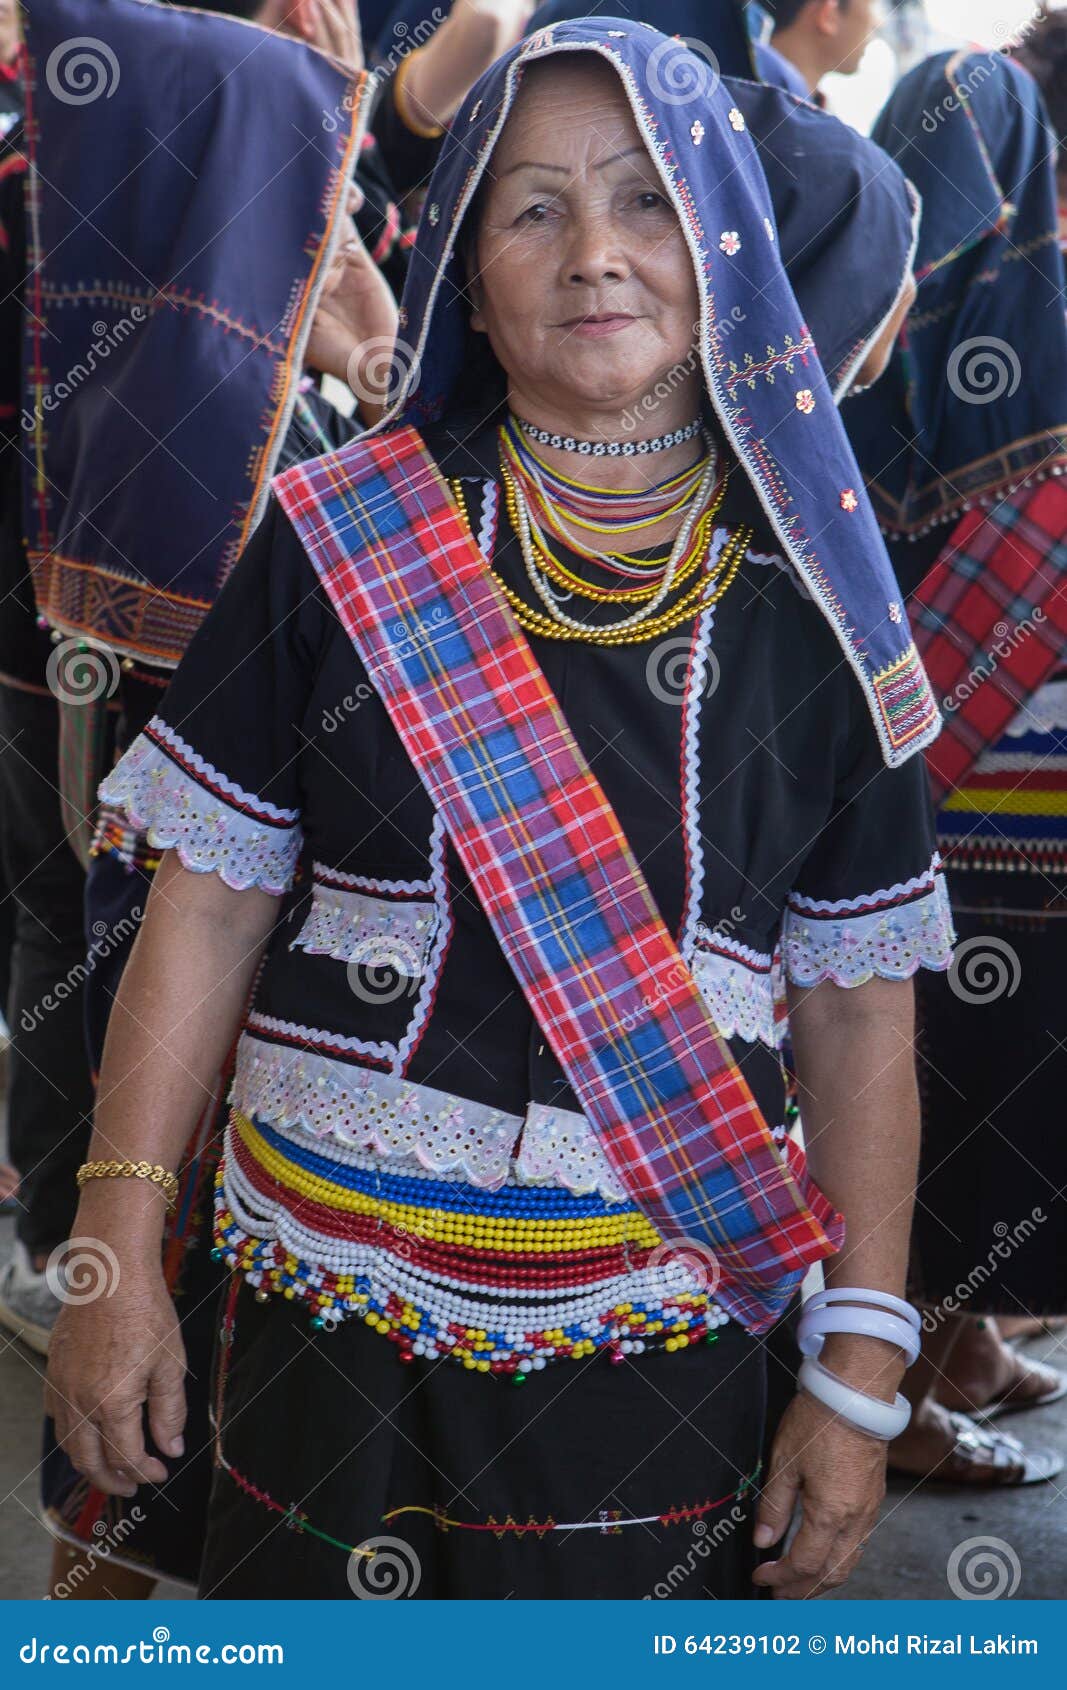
649	200
535	213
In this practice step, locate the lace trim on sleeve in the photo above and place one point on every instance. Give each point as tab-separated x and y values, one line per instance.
851	948
214	825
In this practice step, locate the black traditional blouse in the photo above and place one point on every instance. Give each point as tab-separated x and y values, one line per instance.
403	1143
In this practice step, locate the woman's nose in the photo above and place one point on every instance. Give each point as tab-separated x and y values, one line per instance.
594	252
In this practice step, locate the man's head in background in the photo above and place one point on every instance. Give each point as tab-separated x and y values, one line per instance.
1043	52
819	36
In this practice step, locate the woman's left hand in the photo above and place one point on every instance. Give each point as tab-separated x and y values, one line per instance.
837	1474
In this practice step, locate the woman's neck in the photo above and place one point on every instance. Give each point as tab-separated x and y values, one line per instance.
634	473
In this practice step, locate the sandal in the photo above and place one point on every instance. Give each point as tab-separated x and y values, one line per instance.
984	1457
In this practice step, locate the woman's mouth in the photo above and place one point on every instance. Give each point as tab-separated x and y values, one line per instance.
595	324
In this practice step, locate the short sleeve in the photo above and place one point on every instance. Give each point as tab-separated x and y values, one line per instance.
215	773
870	898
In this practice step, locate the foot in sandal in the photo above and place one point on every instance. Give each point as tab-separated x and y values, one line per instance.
941	1446
986	1377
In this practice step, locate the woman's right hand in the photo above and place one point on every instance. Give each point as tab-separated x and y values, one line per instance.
107	1359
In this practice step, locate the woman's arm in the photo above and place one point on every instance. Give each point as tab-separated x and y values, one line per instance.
172	1025
878	357
855	1063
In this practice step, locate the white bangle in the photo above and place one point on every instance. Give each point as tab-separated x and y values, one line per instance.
868	1414
868	1323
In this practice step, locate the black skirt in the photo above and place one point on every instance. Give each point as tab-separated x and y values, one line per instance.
991	1217
340	1472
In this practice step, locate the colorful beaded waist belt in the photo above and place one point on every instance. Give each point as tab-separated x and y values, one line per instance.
502	1281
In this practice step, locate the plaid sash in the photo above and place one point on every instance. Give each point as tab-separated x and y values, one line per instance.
990	621
553	871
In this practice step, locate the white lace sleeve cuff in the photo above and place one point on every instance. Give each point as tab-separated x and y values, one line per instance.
888	933
170	793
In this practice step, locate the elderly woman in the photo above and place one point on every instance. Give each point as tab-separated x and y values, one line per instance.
536	737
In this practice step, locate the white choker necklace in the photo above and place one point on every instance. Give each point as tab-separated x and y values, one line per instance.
608	448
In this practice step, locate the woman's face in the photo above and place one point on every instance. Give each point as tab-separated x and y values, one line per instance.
585	285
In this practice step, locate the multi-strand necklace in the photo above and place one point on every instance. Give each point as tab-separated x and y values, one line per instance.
542	503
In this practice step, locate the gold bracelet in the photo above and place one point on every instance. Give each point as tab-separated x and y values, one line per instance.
402	101
158	1175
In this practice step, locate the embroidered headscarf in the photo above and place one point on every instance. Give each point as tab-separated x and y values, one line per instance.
975	398
765	385
187	182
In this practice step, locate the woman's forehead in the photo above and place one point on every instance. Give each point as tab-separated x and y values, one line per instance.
571	110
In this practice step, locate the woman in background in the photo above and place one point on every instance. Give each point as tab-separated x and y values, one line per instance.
964	446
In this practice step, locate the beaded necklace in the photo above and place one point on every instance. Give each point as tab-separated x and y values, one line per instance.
610	448
603	509
556	626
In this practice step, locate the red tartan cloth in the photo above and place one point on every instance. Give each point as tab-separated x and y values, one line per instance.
990	621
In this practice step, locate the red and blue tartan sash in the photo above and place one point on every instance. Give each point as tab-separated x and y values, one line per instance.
553	871
990	621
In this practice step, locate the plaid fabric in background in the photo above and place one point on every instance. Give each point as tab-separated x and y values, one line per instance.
990	621
553	871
